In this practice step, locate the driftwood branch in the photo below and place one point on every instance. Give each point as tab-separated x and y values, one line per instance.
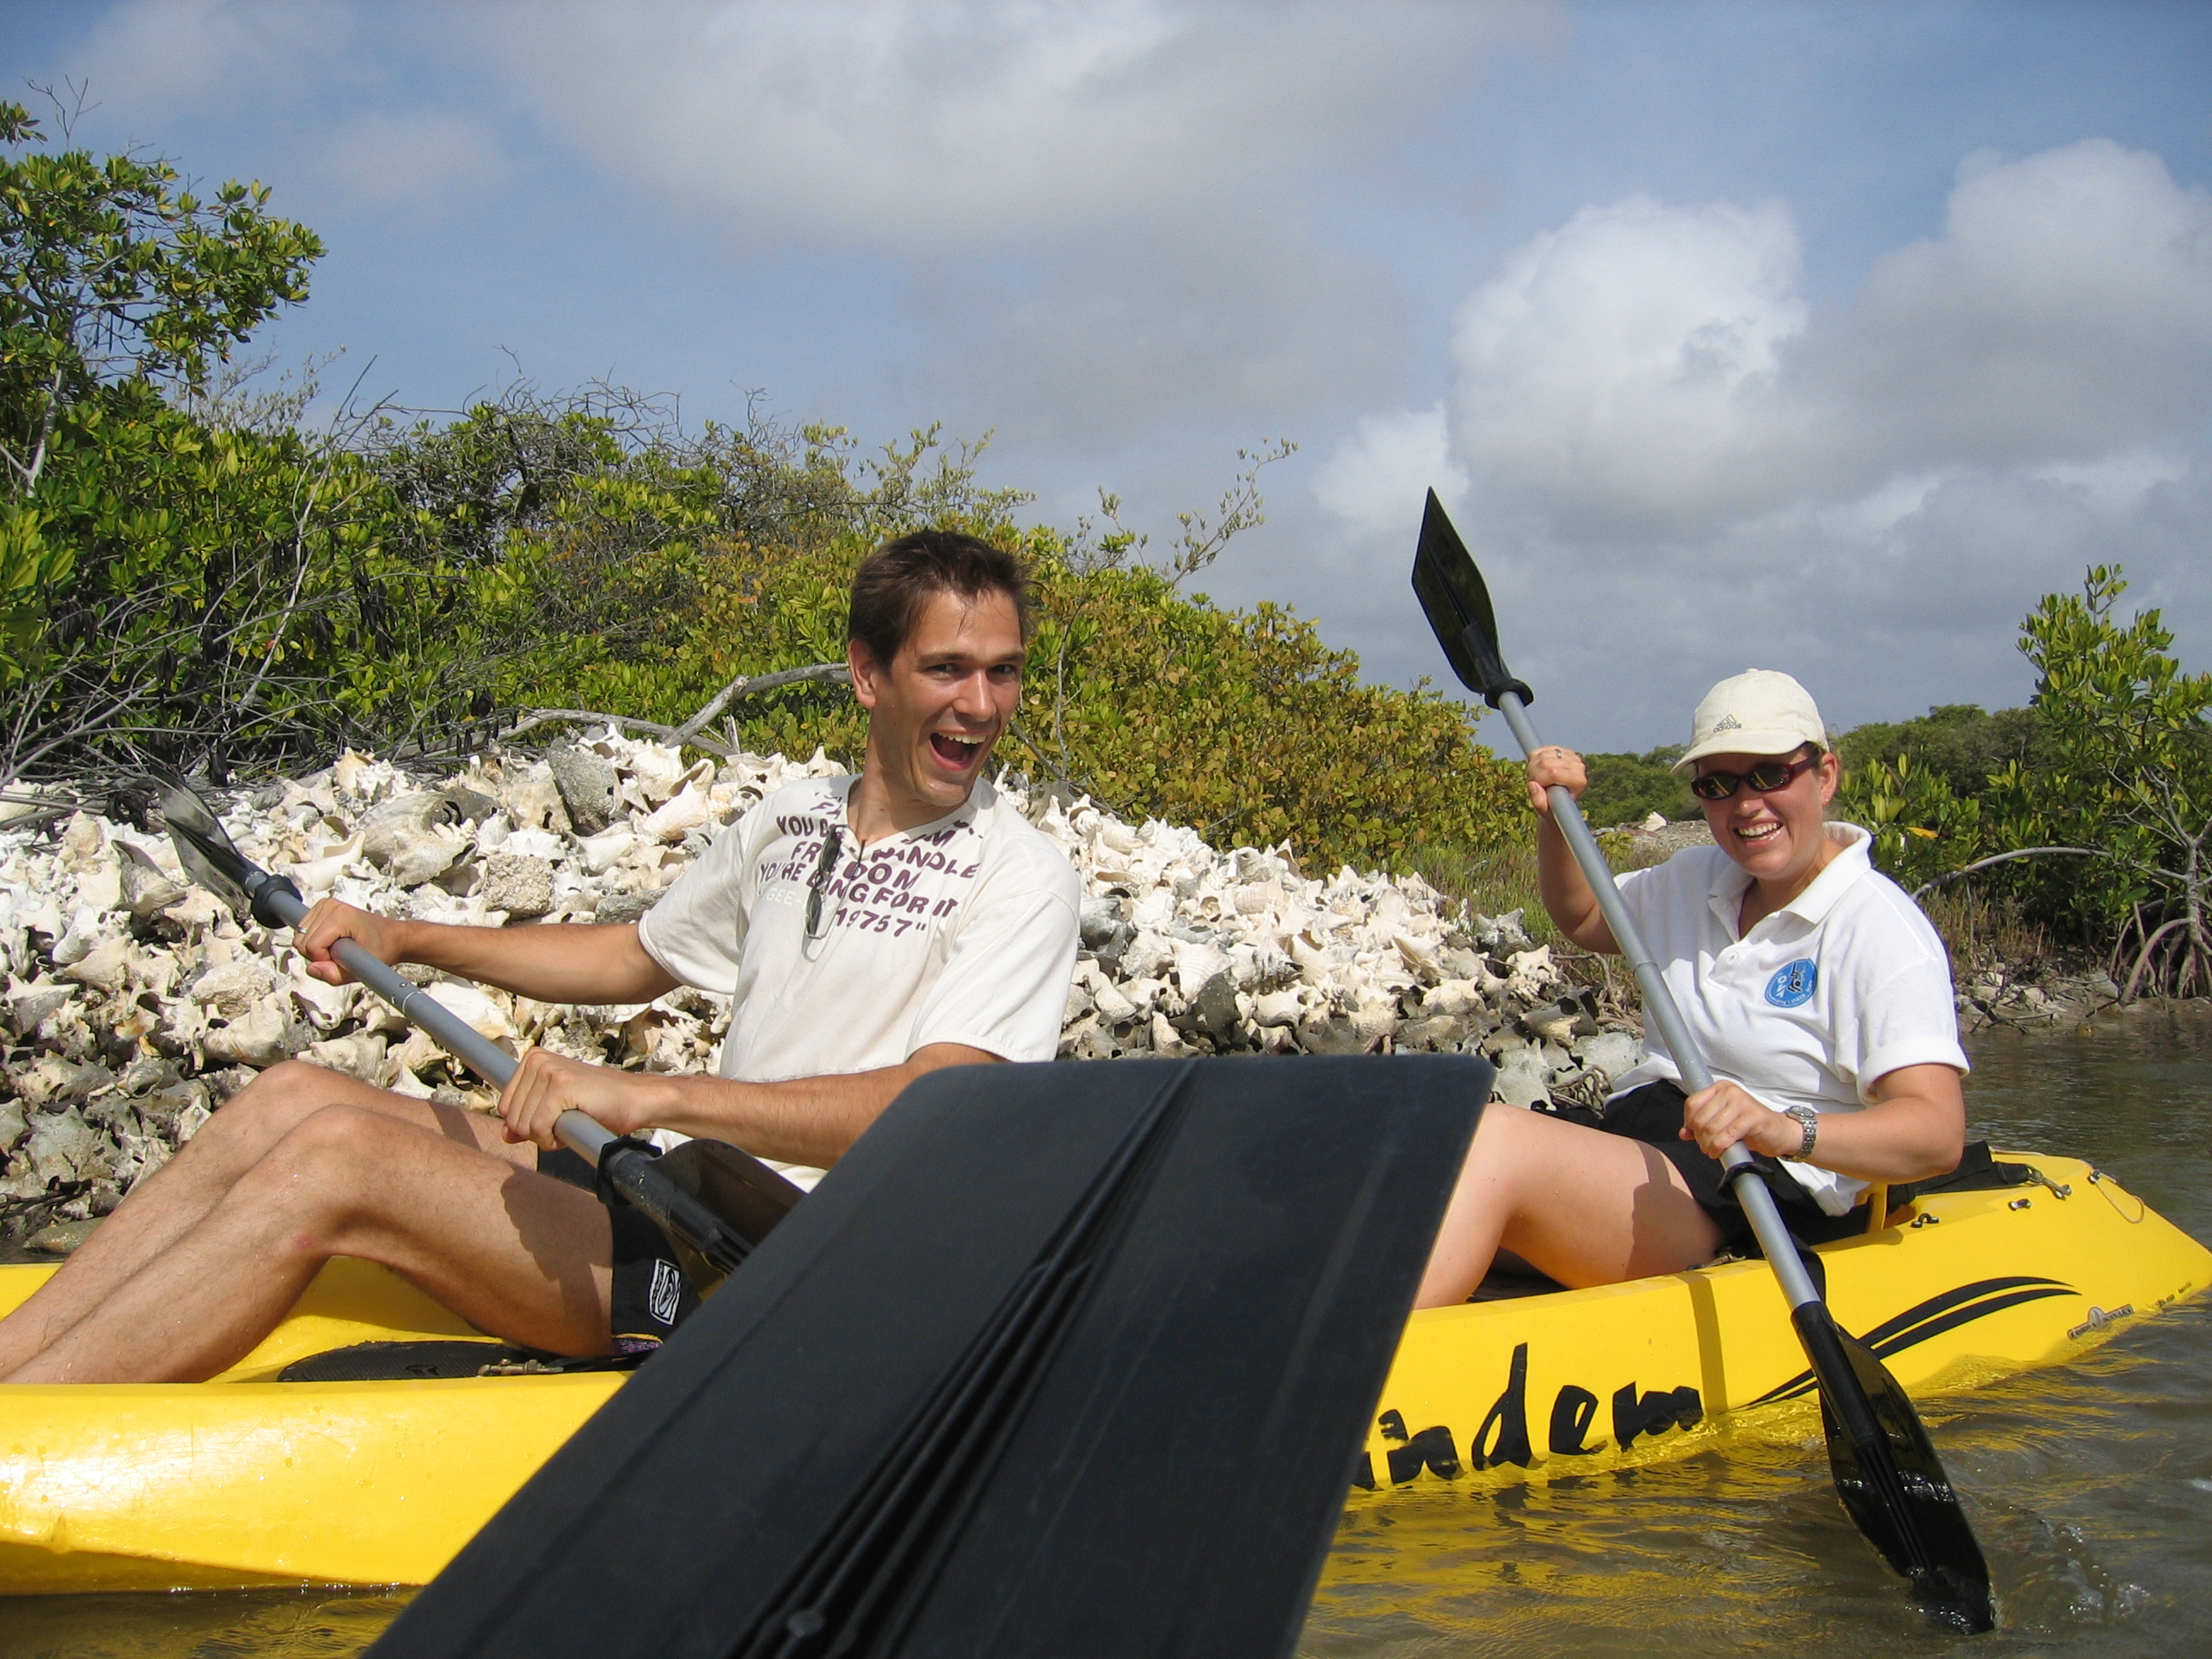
820	673
537	717
2024	853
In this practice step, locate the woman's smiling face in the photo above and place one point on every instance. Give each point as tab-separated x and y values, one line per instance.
1777	836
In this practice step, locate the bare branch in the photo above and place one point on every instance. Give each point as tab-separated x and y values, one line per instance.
2142	957
820	673
537	717
2023	853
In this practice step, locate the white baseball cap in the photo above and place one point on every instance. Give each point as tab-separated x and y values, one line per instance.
1758	712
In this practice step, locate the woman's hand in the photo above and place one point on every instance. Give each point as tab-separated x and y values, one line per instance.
331	921
1718	1117
546	1084
1566	890
1553	765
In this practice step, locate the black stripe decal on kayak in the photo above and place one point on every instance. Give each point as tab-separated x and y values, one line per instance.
1932	1318
1943	1303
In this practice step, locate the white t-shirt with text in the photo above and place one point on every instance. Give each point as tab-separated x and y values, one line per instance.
960	931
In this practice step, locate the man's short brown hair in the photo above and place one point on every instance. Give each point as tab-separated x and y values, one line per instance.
895	582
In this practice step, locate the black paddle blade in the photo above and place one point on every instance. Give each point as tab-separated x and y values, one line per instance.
1457	605
742	1192
204	846
1890	1479
1064	1360
734	1184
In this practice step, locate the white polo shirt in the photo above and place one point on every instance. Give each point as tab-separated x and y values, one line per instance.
1812	1007
961	931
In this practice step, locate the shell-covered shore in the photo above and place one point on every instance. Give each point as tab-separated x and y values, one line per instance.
135	1004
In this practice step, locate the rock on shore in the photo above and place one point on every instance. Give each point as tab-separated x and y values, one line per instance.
135	1004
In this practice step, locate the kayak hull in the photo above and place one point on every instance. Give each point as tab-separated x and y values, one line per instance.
245	1482
1967	1287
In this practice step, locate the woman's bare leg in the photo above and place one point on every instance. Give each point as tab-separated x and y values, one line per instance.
162	1209
1583	1207
514	1253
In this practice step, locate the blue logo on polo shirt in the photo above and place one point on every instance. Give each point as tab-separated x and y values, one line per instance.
1792	985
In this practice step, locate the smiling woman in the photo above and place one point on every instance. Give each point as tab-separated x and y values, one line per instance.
1817	992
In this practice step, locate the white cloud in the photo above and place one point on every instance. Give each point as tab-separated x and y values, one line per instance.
1623	367
1102	213
1102	206
417	158
1379	476
1259	324
949	126
152	57
1675	463
2066	307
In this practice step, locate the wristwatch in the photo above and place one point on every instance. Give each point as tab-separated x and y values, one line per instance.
1809	1121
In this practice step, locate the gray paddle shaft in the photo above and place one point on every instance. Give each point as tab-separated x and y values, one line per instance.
478	1053
1659	1003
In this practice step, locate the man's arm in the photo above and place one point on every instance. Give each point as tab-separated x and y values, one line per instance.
559	962
809	1120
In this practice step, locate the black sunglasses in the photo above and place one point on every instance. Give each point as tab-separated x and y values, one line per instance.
819	881
1765	778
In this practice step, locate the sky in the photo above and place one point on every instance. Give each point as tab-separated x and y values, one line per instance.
1819	338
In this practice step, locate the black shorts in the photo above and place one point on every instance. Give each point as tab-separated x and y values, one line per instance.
1653	1115
649	1296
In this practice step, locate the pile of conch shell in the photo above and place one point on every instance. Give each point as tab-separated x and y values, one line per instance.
135	1004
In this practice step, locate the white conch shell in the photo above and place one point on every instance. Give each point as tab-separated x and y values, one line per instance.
685	811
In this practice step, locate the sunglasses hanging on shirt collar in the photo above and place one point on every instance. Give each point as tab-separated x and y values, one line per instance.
818	883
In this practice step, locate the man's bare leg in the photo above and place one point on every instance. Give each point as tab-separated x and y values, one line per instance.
1582	1205
162	1209
516	1253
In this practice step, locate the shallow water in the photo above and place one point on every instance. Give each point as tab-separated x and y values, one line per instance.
2089	1486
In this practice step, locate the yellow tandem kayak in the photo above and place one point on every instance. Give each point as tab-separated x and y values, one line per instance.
246	1480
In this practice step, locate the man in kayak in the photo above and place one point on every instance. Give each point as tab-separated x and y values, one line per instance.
1818	993
871	928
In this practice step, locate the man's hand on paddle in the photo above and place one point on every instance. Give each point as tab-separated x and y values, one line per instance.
546	1084
331	921
1717	1117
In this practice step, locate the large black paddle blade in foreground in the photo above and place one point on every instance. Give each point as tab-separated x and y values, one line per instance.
1064	1360
1886	1473
1891	1480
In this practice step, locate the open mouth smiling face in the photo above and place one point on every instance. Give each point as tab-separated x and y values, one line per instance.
1776	835
946	698
958	753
